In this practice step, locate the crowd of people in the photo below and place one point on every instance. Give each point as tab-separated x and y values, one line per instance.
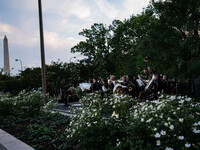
145	85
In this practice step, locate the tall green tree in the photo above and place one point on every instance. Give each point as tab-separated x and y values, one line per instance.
183	17
96	49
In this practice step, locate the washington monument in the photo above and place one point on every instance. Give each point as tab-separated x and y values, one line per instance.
6	56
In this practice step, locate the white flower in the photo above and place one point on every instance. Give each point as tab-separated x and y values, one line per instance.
195	124
180	137
142	120
172	98
157	135
155	129
168	119
181	120
195	130
188	99
149	120
163	132
179	97
174	113
181	101
187	145
159	106
158	143
178	108
166	124
169	148
115	115
199	123
171	127
161	96
118	143
156	115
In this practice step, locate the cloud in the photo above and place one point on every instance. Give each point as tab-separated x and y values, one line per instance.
54	42
134	6
5	28
106	8
66	8
63	20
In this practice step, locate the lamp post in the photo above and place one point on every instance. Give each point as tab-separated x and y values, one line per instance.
71	58
146	60
20	62
44	82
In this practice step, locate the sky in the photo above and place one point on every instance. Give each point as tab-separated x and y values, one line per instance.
62	21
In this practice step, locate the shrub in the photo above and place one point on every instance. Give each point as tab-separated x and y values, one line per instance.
25	102
117	122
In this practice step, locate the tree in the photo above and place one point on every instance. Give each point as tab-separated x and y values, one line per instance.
96	49
183	17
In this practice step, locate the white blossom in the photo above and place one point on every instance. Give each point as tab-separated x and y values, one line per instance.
188	99
181	101
166	124
149	120
180	137
157	135
181	120
171	127
158	143
187	145
199	123
163	132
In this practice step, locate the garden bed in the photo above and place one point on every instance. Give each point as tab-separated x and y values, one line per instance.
45	131
112	123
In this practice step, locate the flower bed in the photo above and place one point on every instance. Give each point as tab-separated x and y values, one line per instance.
117	122
23	117
114	122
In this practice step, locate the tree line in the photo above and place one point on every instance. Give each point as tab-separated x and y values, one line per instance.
167	32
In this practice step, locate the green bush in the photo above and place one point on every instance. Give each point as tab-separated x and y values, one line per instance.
44	131
117	122
29	103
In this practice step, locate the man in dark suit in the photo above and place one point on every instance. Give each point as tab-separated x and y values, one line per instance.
133	88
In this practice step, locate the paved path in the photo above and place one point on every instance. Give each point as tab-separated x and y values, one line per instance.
65	110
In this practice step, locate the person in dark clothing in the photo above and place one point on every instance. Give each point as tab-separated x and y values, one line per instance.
96	86
150	72
156	87
133	88
104	84
111	84
124	79
145	76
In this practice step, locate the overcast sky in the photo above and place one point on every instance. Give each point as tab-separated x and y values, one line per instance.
62	21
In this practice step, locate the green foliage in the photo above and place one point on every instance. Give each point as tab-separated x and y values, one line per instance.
167	32
96	49
24	103
117	122
43	132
